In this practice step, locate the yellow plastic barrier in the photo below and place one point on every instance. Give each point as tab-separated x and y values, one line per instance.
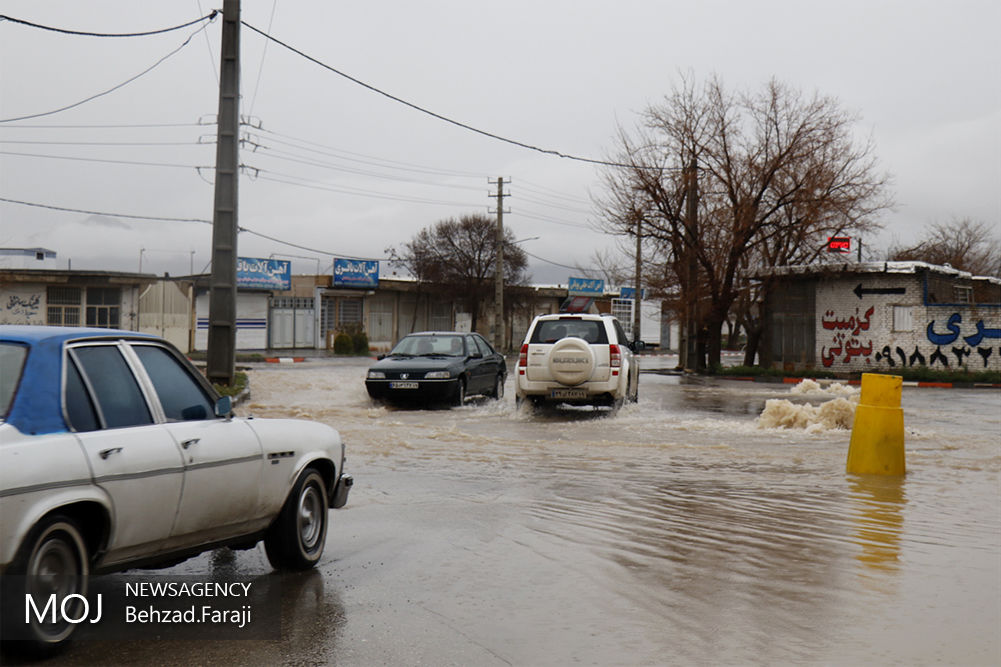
877	444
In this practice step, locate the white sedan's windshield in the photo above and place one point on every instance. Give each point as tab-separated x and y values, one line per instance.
445	345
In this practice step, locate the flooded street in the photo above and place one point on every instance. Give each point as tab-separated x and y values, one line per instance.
675	532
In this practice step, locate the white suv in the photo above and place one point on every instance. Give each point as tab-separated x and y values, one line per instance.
578	359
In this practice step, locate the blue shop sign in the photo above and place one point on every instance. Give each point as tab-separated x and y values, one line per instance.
356	273
586	287
630	292
271	274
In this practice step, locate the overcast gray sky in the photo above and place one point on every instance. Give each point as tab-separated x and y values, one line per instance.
343	170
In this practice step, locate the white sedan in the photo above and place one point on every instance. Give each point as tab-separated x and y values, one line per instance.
115	452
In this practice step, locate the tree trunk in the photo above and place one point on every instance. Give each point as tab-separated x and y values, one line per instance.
753	341
714	342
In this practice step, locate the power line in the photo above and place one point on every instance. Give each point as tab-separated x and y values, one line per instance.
541	259
102	126
378	161
289	157
555	221
170	219
210	17
446	119
103	213
264	53
113	88
314	185
107	161
107	143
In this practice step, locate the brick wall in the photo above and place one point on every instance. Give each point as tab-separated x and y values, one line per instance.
875	320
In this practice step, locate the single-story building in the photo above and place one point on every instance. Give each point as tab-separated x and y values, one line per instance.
859	316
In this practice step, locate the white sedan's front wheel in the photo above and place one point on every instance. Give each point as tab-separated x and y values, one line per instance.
296	539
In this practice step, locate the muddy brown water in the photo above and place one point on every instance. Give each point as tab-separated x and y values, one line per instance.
677	531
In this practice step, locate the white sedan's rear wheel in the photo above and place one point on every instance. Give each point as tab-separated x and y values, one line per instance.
52	561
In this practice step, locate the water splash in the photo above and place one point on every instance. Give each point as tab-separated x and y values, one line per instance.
832	414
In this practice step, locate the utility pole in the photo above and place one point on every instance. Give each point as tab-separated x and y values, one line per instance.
637	281
222	295
692	361
497	330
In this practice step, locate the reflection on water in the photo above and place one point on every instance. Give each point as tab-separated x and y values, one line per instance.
880	502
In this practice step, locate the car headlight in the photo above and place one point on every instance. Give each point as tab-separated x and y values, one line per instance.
376	375
438	375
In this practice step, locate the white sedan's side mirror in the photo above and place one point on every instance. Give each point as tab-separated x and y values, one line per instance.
223	406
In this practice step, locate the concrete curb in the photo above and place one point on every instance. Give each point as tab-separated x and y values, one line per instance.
907	383
285	360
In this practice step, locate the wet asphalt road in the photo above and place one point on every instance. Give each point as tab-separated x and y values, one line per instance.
676	532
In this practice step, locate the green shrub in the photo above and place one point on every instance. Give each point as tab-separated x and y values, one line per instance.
343	344
239	384
359	341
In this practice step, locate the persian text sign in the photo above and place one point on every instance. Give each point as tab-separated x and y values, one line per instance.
630	293
273	274
586	287
839	244
356	273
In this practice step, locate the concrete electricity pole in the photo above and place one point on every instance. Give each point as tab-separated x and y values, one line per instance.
497	330
222	295
692	360
637	281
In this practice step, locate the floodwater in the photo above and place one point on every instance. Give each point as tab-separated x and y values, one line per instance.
678	531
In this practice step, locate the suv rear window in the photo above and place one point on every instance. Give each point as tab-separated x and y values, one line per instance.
550	331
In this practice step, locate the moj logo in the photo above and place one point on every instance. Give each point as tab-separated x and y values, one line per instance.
74	608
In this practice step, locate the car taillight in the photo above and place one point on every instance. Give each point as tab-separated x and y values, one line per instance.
523	357
615	356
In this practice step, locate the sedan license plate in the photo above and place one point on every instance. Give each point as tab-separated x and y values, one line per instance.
568	393
403	385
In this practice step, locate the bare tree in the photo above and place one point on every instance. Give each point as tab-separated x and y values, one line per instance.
457	258
964	244
776	174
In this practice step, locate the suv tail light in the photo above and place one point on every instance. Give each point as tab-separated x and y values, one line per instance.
523	358
615	356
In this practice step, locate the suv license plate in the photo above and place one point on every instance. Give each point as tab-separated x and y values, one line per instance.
568	393
403	385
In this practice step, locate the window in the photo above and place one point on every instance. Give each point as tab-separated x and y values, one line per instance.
79	408
962	294
348	312
12	356
622	309
620	333
423	345
63	306
118	395
103	307
181	396
550	331
441	315
485	348
903	318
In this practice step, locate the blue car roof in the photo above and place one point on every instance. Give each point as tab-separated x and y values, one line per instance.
37	407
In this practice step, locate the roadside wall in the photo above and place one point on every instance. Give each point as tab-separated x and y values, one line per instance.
882	321
22	304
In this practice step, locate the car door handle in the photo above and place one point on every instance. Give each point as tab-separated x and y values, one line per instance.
105	453
187	443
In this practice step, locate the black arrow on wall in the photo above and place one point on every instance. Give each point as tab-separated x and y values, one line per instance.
859	290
